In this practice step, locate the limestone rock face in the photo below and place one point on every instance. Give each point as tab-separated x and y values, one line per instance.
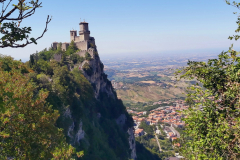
132	144
121	119
100	84
80	133
67	114
98	78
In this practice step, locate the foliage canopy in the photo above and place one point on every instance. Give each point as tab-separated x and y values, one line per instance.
24	114
213	118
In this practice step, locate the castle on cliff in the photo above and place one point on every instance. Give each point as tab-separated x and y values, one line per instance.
101	87
84	42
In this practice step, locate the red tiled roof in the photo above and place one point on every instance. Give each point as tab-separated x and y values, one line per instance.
138	131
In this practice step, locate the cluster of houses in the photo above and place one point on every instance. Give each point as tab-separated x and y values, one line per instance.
171	134
161	115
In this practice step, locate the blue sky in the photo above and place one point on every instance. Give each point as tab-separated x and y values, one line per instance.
123	27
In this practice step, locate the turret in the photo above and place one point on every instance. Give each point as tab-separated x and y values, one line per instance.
84	32
73	34
54	45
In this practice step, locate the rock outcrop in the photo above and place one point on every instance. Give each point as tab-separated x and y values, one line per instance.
98	78
101	84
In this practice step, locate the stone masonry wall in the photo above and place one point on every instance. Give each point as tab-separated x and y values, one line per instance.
83	45
82	52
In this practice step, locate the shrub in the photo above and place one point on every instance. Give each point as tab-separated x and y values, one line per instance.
95	54
76	58
72	48
214	128
92	45
86	67
88	56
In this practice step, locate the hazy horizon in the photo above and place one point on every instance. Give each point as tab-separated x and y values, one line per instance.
136	27
163	54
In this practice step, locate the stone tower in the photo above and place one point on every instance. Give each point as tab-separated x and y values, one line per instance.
84	32
73	35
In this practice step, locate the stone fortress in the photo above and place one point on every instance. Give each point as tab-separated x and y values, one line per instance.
84	42
97	78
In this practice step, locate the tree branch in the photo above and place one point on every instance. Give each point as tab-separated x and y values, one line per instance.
20	16
3	10
8	14
14	45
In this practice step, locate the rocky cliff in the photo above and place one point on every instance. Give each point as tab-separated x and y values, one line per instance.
102	85
93	119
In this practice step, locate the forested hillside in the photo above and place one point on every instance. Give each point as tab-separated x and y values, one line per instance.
60	95
89	123
60	105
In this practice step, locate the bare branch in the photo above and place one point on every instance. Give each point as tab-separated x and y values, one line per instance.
20	16
3	10
17	34
8	14
28	14
14	45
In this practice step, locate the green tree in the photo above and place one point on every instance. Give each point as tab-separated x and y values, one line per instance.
147	128
212	128
27	129
213	120
88	56
87	68
11	32
76	58
236	5
72	48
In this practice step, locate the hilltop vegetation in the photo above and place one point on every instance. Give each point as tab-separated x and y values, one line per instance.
66	100
49	110
24	114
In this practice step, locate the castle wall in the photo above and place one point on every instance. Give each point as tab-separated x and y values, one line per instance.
65	46
57	57
83	45
81	38
90	51
72	38
77	39
86	36
82	52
